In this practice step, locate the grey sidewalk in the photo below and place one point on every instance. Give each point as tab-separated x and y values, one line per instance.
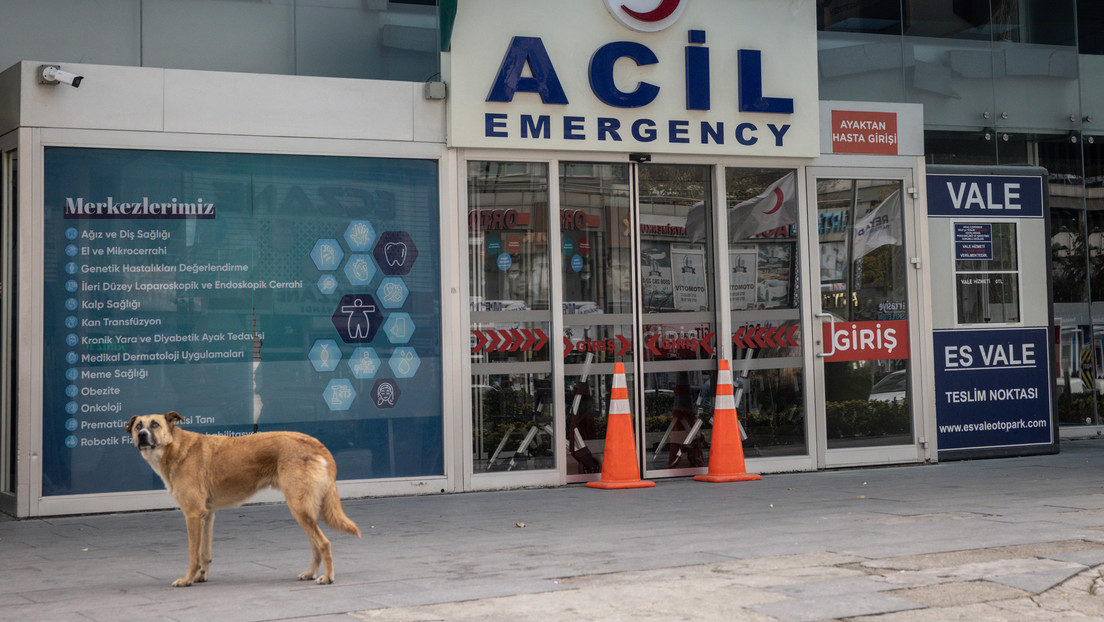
1009	539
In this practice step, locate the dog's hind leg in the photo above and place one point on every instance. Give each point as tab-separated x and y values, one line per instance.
320	547
304	499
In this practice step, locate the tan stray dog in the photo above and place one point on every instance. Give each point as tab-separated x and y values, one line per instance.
205	473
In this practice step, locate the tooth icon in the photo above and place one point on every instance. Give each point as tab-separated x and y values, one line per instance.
395	253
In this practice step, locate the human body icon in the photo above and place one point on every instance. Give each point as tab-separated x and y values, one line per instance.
357	318
360	320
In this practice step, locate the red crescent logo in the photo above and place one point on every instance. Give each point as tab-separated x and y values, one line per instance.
779	197
661	12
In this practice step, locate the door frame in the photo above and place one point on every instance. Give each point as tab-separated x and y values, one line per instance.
918	283
9	416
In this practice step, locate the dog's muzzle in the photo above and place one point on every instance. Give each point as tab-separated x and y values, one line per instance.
146	440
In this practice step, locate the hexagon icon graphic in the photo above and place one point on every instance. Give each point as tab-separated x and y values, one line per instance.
325	355
360	235
364	363
327	284
395	253
404	362
360	269
392	292
339	394
398	328
385	393
327	254
357	318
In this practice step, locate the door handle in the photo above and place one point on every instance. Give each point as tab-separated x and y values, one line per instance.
832	332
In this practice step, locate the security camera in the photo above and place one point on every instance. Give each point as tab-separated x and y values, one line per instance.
52	74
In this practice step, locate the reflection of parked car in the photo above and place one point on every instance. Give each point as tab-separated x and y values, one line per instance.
1077	386
773	292
892	388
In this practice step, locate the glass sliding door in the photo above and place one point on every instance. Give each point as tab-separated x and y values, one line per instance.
677	314
599	285
510	296
765	300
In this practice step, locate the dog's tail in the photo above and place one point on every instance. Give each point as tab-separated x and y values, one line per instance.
334	515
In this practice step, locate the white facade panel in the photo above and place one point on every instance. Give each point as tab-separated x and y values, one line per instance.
109	98
204	102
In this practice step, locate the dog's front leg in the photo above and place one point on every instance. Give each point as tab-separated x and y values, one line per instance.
205	553
195	519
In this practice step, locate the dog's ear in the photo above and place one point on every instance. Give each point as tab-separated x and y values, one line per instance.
172	418
130	424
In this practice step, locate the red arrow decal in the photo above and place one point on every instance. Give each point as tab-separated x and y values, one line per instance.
704	341
651	344
568	346
515	334
626	345
481	341
790	336
780	336
504	345
767	337
758	336
530	338
541	339
738	338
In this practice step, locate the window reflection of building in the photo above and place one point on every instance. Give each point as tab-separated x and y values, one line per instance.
509	287
619	281
763	259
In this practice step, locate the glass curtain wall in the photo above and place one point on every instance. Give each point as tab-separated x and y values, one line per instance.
369	39
1076	182
972	63
1002	82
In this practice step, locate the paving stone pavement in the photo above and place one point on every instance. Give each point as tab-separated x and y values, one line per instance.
807	588
1007	539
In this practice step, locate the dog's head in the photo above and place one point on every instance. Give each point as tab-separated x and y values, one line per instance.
153	431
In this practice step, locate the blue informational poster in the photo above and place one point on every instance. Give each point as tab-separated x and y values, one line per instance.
246	292
992	388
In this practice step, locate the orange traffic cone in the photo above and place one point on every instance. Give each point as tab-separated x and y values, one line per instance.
726	454
619	464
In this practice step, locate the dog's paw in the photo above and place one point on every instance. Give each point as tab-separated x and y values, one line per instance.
324	580
306	576
181	582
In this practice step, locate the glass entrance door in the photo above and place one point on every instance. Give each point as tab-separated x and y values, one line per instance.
638	288
599	298
678	314
865	409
